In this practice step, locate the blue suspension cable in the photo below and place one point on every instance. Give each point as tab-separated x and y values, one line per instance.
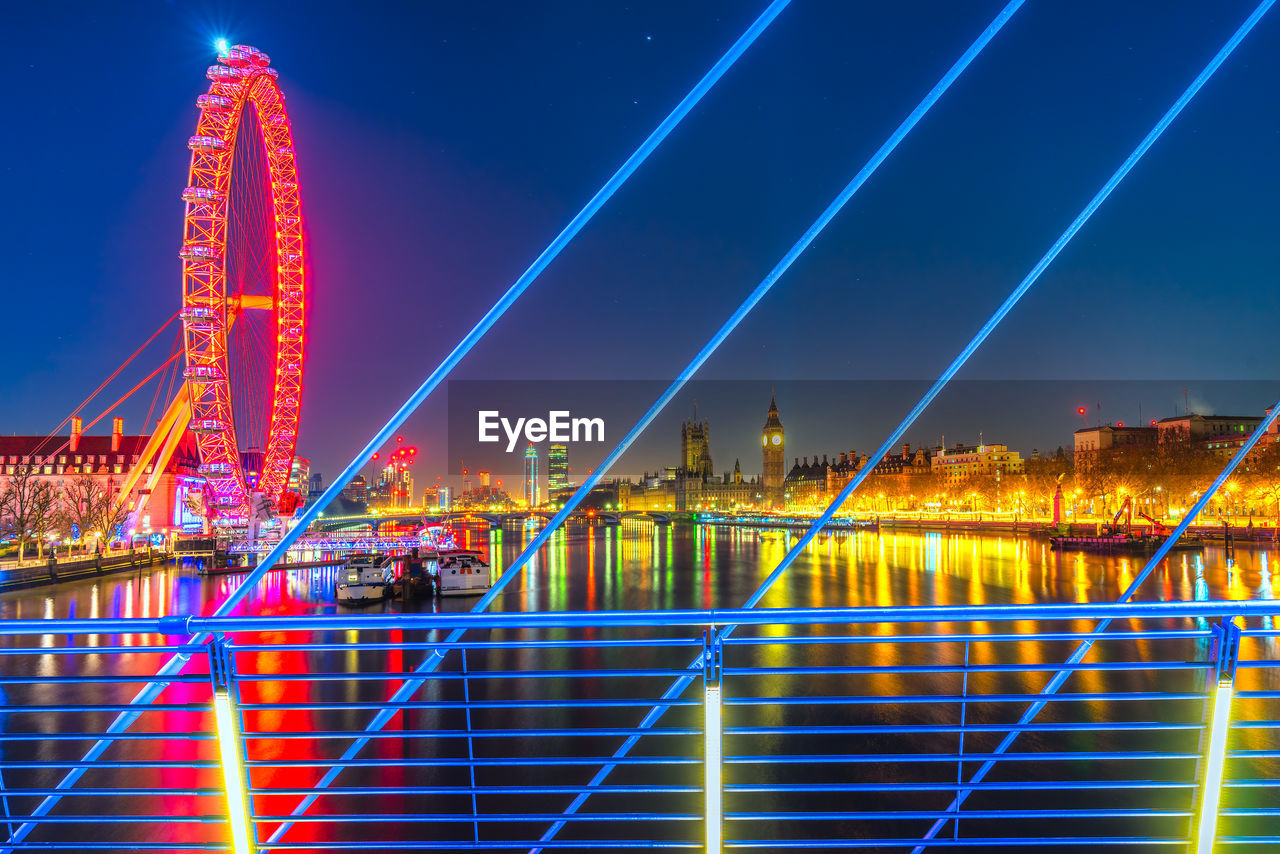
153	689
695	667
1060	677
408	688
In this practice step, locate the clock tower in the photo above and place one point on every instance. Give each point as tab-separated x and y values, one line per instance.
774	444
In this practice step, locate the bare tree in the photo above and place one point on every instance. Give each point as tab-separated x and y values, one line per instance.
91	506
27	505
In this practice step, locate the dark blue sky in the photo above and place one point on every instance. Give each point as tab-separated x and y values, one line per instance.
443	145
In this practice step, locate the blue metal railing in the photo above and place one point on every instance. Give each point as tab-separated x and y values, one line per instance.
842	728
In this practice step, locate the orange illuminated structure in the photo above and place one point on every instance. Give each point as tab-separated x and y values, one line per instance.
260	370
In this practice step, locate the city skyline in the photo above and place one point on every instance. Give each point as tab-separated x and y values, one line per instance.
820	418
735	186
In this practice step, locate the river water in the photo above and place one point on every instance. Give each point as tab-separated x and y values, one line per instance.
635	565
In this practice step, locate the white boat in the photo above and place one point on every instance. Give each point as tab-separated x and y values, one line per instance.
366	578
461	572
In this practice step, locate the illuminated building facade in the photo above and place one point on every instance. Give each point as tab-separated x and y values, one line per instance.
300	476
951	467
357	490
557	468
107	460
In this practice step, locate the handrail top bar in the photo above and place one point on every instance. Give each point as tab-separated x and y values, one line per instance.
186	625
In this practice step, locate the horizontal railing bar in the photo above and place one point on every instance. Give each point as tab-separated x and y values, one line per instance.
678	643
185	625
111	707
907	699
264	735
997	637
172	848
479	790
444	762
944	842
906	815
120	792
934	669
1053	785
105	736
467	818
887	729
189	649
116	818
1054	756
192	764
185	678
914	729
449	675
461	704
590	845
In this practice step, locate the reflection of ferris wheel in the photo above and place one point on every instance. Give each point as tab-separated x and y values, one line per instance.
243	283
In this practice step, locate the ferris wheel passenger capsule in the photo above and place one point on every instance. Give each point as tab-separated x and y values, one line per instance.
214	468
202	372
214	103
202	195
198	317
223	73
208	425
197	252
207	143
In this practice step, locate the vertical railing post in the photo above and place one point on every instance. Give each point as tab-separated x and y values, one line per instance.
1227	642
231	745
4	796
471	753
964	706
712	754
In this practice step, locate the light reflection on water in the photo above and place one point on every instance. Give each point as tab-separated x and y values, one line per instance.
637	566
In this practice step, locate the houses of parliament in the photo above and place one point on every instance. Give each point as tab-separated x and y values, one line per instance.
693	485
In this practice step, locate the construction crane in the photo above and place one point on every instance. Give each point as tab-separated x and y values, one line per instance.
1126	510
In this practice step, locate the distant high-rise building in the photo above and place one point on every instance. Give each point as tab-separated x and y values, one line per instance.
484	480
773	438
444	498
300	476
404	488
557	468
531	495
357	490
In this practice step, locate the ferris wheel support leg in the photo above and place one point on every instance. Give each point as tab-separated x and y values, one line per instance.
166	454
163	440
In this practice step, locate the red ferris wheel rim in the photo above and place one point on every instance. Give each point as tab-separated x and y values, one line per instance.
244	77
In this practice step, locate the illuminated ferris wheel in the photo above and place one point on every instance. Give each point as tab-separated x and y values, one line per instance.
243	284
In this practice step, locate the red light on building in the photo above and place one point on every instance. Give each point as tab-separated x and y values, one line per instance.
1119	423
1081	411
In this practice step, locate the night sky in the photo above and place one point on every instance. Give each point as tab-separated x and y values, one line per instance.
442	146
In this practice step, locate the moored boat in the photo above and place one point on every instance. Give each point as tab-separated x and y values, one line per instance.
365	578
461	572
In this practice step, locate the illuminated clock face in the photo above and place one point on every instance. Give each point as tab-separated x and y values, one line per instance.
764	439
777	439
